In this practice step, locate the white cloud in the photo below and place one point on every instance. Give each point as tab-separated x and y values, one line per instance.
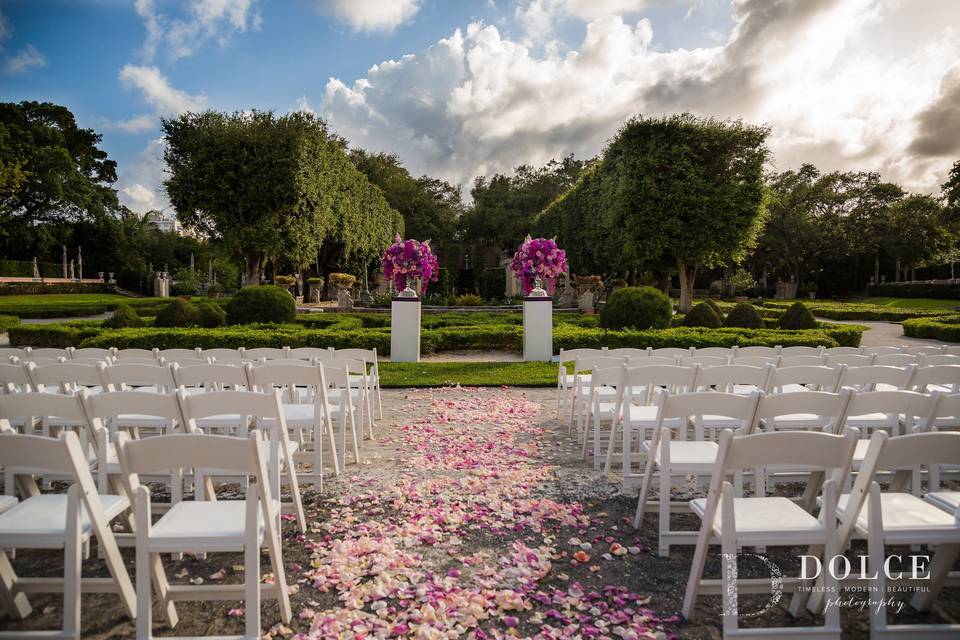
157	91
182	36
303	105
6	29
136	124
141	185
370	15
538	16
25	59
839	81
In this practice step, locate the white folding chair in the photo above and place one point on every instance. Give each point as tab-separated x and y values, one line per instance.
143	377
739	379
789	352
682	457
143	354
602	381
580	387
308	412
877	377
737	522
882	351
369	358
802	361
565	379
944	415
14	378
896	359
804	378
200	526
944	378
344	404
64	377
767	352
360	388
57	521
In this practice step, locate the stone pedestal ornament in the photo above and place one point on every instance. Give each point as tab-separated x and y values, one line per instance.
36	269
344	301
64	247
405	327
537	326
72	272
80	263
568	296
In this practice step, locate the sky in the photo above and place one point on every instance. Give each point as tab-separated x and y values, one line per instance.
461	88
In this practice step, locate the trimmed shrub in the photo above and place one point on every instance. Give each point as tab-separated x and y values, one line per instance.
58	335
946	329
637	308
263	303
210	315
943	291
715	306
744	315
798	316
178	313
702	315
468	300
8	321
184	288
123	316
859	311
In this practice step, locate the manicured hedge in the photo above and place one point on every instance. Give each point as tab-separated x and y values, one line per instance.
946	329
72	306
8	321
37	288
700	337
860	311
942	291
59	335
238	336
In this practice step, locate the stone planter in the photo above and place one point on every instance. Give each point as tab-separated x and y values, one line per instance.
344	300
739	298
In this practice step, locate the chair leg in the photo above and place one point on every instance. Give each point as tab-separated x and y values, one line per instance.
696	568
943	559
728	565
333	446
295	488
353	432
144	595
664	508
875	551
72	565
163	589
18	605
251	560
644	490
379	399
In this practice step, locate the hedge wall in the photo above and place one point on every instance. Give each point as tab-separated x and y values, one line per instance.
7	322
35	288
857	311
942	291
946	329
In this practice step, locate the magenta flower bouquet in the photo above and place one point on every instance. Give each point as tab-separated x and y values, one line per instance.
408	259
538	259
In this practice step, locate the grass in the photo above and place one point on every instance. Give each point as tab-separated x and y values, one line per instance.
909	303
468	374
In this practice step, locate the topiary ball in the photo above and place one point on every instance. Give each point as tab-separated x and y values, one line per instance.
210	315
797	317
703	315
263	303
715	306
636	308
178	313
744	315
123	316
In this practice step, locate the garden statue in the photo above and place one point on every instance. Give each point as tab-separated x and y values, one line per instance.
36	270
587	286
80	263
71	271
568	297
110	278
64	247
343	282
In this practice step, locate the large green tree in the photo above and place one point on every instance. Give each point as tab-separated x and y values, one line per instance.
677	188
919	233
278	188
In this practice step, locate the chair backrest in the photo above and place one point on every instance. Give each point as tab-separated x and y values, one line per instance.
844	351
13	352
802	361
124	376
703	361
605	377
367	355
287	374
92	352
867	378
937	359
652	361
883	350
621	352
671	352
677	379
42	405
588	363
768	352
849	359
248	403
908	403
951	350
176	355
706	403
49	352
943	374
221	354
830	406
210	376
927	350
725	352
820	377
812	449
189	451
14	378
64	377
800	351
896	359
947	405
44	361
150	362
103	408
148	354
309	353
569	355
337	373
267	353
724	377
756	361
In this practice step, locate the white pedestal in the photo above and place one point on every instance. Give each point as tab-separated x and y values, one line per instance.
405	330
538	329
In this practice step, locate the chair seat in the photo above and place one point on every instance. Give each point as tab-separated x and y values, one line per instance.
202	526
40	522
872	419
946	500
6	502
799	421
905	515
687	455
771	520
140	420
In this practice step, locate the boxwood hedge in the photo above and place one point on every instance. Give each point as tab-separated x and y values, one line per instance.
859	311
946	329
8	321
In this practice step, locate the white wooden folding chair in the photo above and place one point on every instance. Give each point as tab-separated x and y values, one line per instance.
872	410
788	352
565	379
636	407
602	381
305	407
802	361
768	352
804	378
64	377
896	359
344	404
143	354
740	379
57	521
264	414
944	415
895	517
580	387
369	358
14	378
877	377
360	388
883	351
718	352
143	377
938	359
737	522
944	378
682	457
200	526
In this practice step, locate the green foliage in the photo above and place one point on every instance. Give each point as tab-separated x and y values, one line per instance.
81	304
493	283
184	288
468	300
474	374
715	306
123	316
797	316
636	308
58	335
945	291
946	329
742	280
179	313
744	315
263	303
702	315
210	315
856	311
8	321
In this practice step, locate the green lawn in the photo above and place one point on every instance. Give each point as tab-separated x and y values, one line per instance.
474	374
909	303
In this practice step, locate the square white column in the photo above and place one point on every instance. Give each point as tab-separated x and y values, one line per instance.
537	328
405	329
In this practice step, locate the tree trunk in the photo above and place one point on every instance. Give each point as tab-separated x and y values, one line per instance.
876	267
665	282
897	267
252	275
687	275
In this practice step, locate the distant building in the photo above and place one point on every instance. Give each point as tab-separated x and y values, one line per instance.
163	222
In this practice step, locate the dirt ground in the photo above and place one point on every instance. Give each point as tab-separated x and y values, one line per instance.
472	514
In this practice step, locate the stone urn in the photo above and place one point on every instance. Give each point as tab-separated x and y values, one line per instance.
587	288
343	282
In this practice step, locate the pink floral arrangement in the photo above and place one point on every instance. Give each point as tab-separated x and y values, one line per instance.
408	259
538	259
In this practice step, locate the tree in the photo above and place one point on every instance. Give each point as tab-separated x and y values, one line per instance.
679	187
792	236
921	234
50	169
279	188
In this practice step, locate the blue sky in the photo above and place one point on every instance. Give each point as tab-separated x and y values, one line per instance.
471	88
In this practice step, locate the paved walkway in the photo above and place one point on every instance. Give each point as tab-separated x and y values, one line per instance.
883	334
